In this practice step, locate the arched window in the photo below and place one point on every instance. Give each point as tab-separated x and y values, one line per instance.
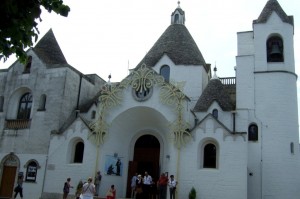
1	103
42	103
25	106
210	156
78	155
215	113
176	18
252	132
93	115
31	171
275	49
28	65
165	72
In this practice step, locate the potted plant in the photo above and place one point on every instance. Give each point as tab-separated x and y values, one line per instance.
192	194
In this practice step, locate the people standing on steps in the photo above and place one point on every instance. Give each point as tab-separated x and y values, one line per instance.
139	188
172	186
97	182
133	184
162	185
147	185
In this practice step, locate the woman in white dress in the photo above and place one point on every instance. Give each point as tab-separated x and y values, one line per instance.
88	189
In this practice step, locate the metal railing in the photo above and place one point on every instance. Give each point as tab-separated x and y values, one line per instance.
228	80
17	124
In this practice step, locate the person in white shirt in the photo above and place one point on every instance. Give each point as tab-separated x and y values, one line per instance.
172	186
88	189
147	185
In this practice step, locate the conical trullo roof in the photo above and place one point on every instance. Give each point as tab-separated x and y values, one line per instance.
178	44
48	50
214	91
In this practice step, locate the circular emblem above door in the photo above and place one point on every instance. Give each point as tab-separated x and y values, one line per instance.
142	95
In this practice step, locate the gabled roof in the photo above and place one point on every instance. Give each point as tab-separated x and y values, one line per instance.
209	115
178	44
87	105
270	7
214	91
48	50
70	121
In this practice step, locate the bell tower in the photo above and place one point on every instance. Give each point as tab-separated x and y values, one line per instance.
267	96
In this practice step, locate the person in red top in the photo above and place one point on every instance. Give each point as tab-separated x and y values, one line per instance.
162	184
111	193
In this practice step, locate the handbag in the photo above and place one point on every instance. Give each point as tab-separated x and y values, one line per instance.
17	188
109	193
139	190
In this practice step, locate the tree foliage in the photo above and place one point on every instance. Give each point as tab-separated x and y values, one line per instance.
18	24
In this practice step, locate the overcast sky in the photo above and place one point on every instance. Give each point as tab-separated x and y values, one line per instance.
106	37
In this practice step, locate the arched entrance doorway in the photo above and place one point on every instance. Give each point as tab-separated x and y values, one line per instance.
10	165
145	158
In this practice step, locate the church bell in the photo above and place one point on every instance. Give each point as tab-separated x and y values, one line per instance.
275	53
275	50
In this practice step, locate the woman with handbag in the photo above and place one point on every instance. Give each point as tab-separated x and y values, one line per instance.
111	193
88	189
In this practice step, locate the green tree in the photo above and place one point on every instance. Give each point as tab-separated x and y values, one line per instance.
18	24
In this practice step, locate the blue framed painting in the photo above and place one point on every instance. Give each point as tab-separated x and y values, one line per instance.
113	165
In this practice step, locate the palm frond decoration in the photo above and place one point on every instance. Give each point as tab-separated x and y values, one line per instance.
145	78
181	133
172	95
99	132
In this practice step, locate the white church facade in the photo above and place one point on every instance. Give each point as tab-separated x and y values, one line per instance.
230	138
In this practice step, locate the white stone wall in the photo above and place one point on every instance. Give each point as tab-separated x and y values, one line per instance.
228	180
279	128
59	165
193	85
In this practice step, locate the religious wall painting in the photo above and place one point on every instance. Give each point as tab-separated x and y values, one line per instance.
113	165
